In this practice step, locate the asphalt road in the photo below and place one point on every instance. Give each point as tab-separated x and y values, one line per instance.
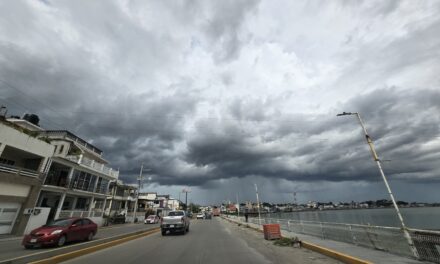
12	248
208	241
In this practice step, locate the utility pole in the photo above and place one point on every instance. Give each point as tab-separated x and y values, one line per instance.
186	191
258	204
238	207
137	195
379	165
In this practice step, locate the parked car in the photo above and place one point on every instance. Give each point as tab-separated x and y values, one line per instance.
208	215
152	219
175	221
200	216
60	231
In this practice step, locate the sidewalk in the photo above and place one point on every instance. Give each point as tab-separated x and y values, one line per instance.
368	254
9	237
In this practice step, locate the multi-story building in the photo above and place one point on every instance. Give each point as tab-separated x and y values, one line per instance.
78	179
158	204
173	204
146	201
24	160
121	199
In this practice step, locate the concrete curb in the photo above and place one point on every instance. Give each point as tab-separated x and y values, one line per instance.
334	254
84	251
322	250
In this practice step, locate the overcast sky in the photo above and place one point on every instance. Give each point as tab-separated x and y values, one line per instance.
219	95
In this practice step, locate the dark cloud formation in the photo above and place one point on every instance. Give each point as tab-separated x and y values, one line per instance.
218	95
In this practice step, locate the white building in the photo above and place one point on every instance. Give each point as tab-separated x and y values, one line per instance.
78	179
173	204
24	159
121	199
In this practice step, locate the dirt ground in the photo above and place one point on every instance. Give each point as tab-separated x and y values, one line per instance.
275	254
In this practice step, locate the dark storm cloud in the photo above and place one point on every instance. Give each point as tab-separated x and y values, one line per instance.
224	24
174	85
400	121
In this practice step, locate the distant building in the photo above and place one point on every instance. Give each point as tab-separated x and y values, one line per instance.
231	208
173	204
121	200
158	204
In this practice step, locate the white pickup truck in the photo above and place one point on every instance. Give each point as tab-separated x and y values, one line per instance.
175	221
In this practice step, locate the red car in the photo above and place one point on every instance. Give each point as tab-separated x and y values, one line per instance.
61	231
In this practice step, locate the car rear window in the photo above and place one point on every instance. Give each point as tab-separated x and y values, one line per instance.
177	213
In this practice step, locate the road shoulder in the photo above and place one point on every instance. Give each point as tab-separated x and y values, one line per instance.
276	254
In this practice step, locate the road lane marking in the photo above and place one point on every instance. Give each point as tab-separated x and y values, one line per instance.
84	251
69	246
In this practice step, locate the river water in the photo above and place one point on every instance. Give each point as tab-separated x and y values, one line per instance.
416	217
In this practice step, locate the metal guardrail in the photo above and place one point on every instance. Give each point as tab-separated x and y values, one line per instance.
389	239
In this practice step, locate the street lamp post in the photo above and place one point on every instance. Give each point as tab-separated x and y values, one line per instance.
379	165
258	204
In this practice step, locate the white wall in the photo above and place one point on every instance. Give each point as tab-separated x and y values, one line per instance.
36	221
12	189
14	138
98	220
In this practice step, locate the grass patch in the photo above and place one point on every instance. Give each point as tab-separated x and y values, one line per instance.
288	242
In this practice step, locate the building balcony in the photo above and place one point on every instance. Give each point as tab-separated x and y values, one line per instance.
20	171
91	164
56	180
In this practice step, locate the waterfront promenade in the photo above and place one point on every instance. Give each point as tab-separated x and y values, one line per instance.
362	253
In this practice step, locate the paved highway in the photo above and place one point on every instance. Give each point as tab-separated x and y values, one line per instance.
12	248
208	241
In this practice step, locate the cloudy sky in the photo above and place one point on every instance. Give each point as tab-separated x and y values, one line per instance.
219	95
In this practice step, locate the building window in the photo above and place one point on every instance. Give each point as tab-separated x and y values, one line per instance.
101	187
7	162
81	204
83	181
99	204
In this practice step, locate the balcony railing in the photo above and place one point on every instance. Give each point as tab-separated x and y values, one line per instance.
20	171
96	166
78	213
